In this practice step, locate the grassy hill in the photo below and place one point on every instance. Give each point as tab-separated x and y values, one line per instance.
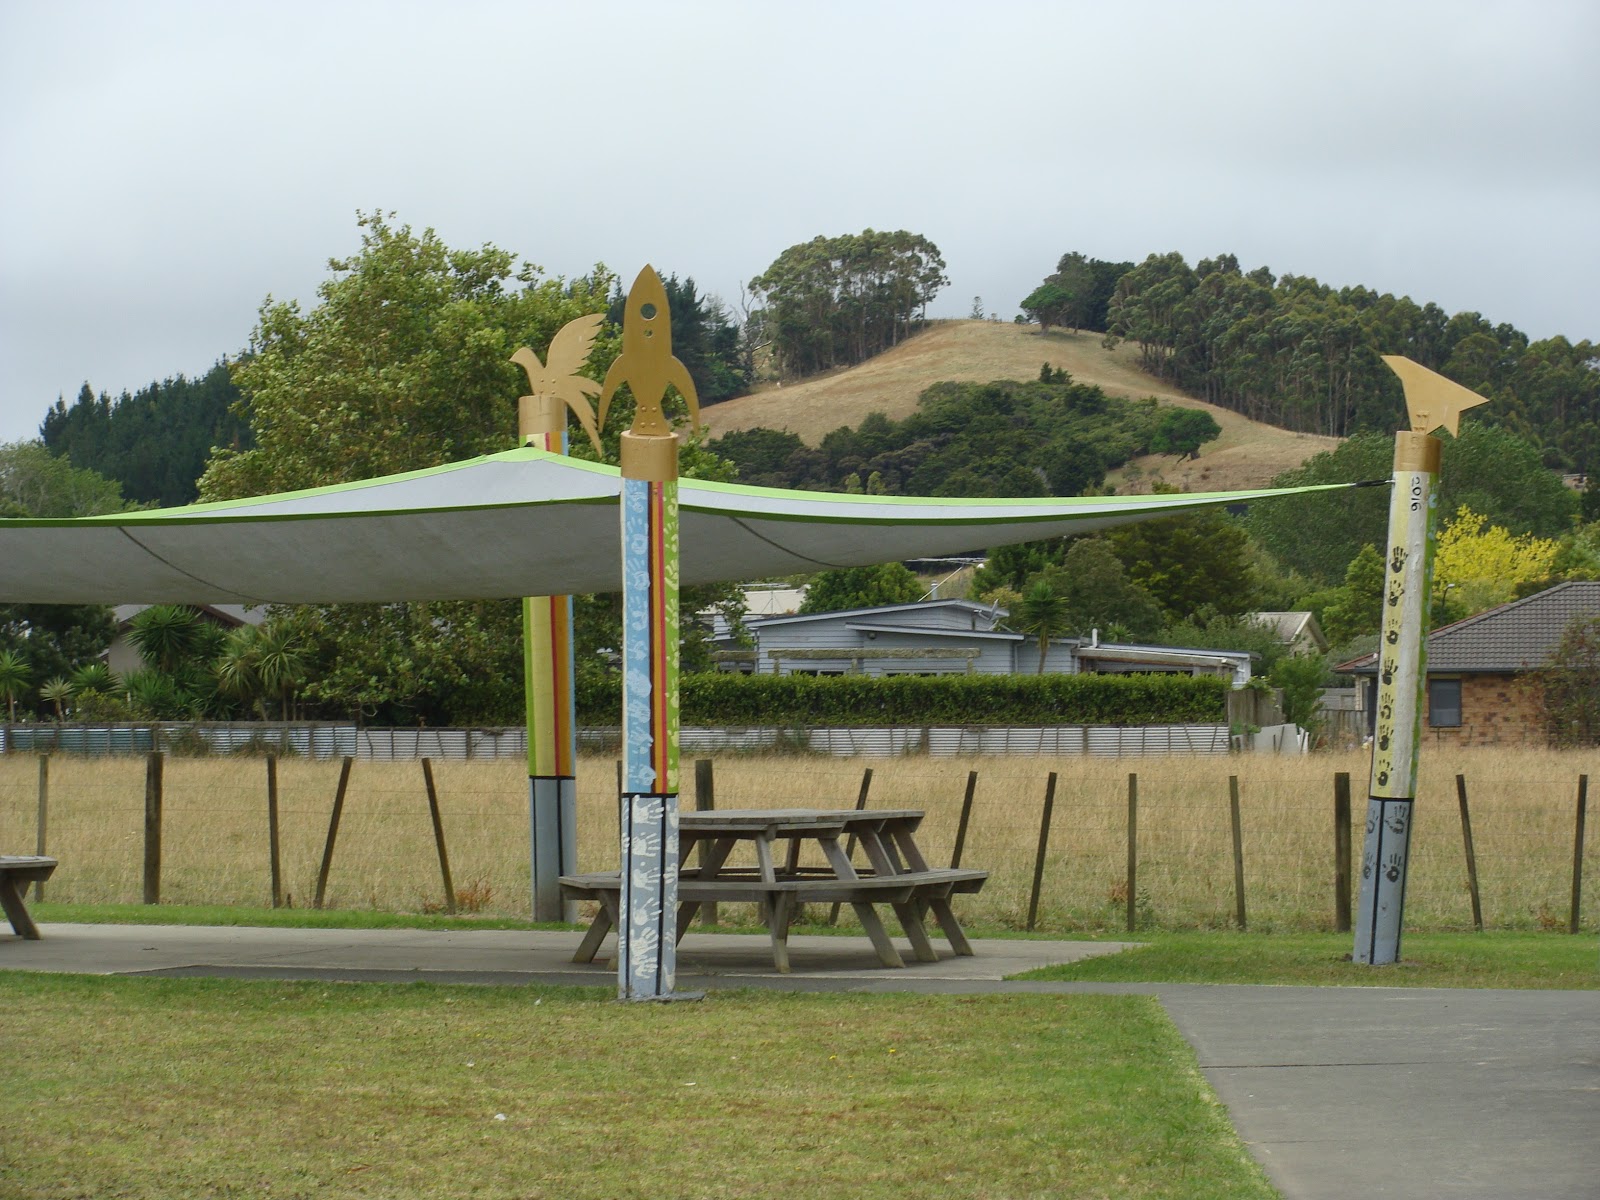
1248	454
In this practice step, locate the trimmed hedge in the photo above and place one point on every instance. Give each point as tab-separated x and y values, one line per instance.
789	700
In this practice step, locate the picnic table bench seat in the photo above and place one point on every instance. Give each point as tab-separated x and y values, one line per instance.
910	893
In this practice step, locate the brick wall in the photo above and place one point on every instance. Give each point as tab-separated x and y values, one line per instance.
1496	710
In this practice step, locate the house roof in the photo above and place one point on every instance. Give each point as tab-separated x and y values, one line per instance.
1288	627
884	610
934	631
1510	639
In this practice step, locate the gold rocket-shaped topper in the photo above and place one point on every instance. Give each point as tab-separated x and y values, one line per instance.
646	363
1431	399
556	381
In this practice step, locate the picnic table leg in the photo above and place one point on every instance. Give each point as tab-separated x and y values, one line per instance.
916	932
868	916
711	859
952	929
780	907
598	928
16	912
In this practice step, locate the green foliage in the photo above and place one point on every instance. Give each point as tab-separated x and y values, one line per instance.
1571	686
834	302
1099	595
1489	470
1208	629
1301	355
861	587
1301	677
154	442
1041	613
712	698
1188	562
1077	294
1004	438
14	678
35	483
1356	609
1182	431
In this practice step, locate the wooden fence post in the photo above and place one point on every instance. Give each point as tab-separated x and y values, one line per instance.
333	831
1133	852
152	827
1341	852
44	819
705	800
1044	841
1472	857
438	836
1577	853
966	816
850	842
274	856
1238	851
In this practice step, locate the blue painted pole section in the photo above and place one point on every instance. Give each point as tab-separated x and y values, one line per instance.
646	934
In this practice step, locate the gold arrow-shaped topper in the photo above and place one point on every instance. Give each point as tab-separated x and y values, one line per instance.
1431	399
556	382
646	363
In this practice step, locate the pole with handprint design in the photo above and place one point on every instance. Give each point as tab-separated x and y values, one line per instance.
1432	401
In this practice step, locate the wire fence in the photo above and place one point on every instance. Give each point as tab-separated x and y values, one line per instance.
214	832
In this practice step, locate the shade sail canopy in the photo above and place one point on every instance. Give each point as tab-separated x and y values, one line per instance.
525	522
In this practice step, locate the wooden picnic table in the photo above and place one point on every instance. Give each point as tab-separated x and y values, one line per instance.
17	871
778	882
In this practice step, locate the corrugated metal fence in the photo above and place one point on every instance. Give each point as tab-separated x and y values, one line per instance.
324	741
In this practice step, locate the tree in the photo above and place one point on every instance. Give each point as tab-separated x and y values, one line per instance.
861	587
404	363
14	676
1182	431
35	483
1188	562
1479	565
1097	593
1041	613
1571	686
1356	609
834	302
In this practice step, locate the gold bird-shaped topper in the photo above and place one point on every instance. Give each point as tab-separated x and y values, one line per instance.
1431	399
646	363
556	381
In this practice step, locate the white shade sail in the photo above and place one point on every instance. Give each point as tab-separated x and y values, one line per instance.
524	522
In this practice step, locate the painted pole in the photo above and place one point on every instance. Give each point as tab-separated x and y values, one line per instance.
1432	401
548	664
646	934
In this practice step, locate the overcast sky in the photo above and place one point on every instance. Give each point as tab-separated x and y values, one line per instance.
165	165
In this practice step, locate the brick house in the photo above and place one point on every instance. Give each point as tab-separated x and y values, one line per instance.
1482	688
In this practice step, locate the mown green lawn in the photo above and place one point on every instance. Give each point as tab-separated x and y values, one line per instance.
123	1087
1454	960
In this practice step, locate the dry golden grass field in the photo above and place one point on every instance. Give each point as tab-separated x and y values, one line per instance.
1247	455
215	840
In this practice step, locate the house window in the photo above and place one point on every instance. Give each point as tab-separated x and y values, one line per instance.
1444	702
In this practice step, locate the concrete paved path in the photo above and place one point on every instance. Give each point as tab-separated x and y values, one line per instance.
1406	1094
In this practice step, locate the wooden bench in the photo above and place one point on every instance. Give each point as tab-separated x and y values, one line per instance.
16	873
910	893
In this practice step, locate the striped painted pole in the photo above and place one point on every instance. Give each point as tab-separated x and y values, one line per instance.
552	739
646	949
555	386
